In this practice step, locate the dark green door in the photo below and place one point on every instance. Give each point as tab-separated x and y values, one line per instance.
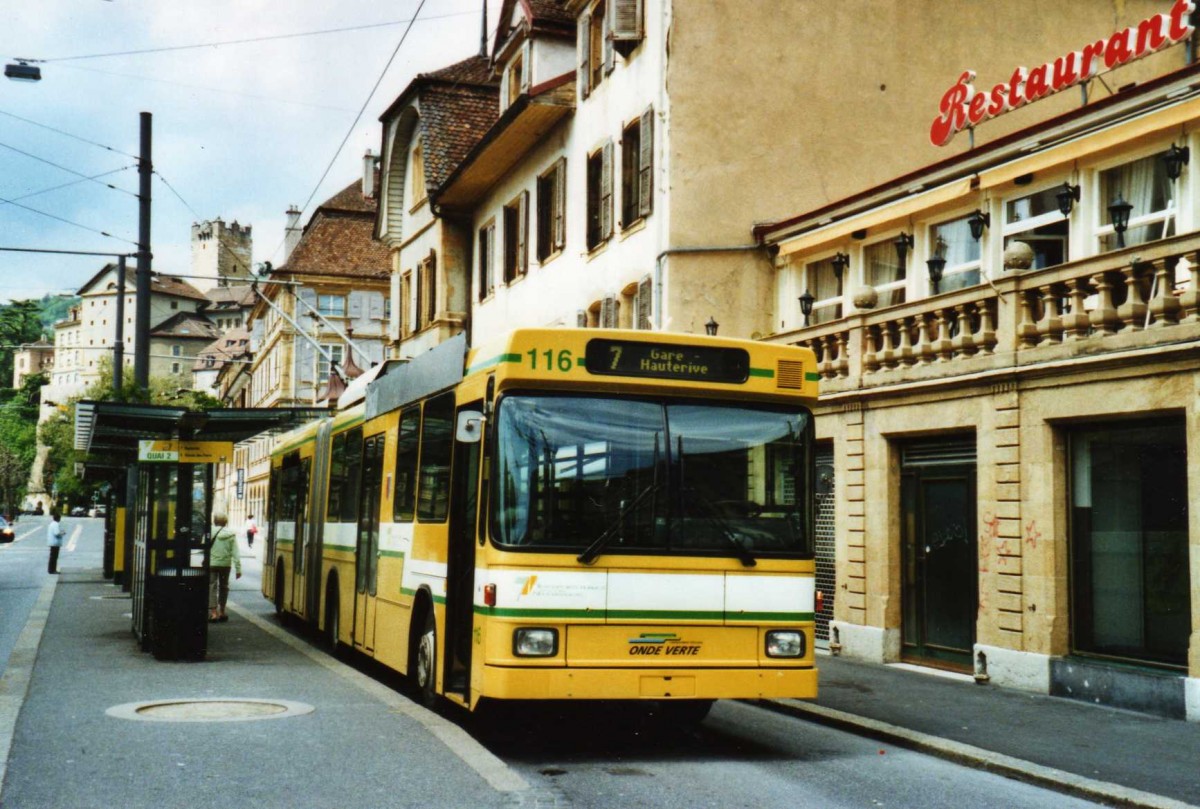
940	559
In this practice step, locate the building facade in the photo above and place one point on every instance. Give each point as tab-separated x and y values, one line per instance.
32	358
1007	332
221	254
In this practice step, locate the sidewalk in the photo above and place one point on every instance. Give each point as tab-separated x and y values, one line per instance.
1094	752
246	732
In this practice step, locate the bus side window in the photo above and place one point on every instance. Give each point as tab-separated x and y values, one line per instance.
337	477
437	439
404	499
352	484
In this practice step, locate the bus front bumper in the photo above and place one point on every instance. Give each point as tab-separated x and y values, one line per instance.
634	684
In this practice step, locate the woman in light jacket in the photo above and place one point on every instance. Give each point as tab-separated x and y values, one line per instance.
222	555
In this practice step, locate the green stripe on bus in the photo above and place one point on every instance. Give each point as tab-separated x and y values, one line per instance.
499	358
766	373
809	376
392	554
646	615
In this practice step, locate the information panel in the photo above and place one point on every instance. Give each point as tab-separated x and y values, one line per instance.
667	361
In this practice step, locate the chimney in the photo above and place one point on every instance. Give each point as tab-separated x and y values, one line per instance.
368	178
291	233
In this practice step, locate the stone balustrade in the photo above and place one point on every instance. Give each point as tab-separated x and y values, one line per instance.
1135	297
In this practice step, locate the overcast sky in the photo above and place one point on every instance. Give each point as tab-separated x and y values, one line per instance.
241	131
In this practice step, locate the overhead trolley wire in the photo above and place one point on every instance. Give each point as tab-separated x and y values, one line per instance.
60	167
249	40
68	134
73	182
67	221
357	117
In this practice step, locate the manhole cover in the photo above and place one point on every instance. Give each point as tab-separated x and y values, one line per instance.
209	710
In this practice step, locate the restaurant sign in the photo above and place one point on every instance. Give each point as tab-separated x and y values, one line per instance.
963	106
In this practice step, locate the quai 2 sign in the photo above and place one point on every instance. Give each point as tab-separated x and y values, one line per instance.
964	106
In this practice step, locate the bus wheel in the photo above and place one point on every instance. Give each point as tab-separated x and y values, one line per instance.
426	668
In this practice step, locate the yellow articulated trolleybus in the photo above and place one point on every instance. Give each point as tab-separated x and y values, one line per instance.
566	514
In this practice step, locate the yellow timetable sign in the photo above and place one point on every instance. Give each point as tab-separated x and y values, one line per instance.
170	451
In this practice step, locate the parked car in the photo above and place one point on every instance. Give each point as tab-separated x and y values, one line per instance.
78	511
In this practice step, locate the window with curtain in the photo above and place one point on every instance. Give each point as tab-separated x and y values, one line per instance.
826	289
954	241
1144	184
883	270
1036	220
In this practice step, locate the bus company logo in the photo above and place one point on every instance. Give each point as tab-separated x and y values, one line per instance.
528	584
662	644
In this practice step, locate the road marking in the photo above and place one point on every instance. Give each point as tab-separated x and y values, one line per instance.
74	537
14	683
474	755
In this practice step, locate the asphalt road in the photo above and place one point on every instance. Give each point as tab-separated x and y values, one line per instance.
741	755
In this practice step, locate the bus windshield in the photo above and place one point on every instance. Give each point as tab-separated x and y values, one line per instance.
595	475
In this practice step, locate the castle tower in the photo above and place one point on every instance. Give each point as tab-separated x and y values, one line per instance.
221	253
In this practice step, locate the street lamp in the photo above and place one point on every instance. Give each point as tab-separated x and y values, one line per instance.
1067	196
977	222
1119	210
904	243
806	305
711	327
23	71
936	264
1176	158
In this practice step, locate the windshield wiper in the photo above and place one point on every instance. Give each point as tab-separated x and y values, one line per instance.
601	542
743	553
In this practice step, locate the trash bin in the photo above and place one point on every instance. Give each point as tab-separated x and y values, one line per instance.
178	604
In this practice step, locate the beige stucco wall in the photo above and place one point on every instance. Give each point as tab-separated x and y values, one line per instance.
780	108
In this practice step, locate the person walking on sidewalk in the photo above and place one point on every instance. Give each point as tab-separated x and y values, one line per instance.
251	530
54	538
222	555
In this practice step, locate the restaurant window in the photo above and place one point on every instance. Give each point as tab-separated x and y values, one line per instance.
884	272
551	211
1130	586
1036	220
954	242
826	288
1144	184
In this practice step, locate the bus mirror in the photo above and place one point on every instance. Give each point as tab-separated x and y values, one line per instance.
470	426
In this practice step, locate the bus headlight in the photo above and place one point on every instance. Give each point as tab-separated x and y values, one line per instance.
785	643
535	642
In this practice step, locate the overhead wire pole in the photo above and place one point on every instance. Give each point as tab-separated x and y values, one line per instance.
141	354
119	337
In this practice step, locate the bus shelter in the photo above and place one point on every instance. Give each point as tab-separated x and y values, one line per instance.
160	460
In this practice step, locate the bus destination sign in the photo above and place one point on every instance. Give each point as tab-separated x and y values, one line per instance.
666	361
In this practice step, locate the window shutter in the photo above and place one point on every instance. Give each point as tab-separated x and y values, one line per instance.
646	164
560	204
491	258
608	312
584	47
644	303
431	271
526	68
523	233
354	305
610	59
606	191
581	318
626	25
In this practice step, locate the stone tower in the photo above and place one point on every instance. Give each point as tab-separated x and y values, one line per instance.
221	254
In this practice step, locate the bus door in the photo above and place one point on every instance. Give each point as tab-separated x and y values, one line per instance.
366	555
298	482
460	572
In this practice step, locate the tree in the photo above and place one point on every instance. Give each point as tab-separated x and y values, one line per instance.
18	447
20	322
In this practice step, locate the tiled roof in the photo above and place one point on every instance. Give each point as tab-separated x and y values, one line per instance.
160	283
452	122
472	70
233	344
338	240
186	326
549	11
236	295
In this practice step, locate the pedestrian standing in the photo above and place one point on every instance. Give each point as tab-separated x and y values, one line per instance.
251	530
222	555
54	538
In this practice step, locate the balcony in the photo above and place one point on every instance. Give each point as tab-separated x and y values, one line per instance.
1118	308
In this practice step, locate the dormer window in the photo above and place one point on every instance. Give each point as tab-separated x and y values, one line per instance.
626	23
417	189
516	78
595	49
